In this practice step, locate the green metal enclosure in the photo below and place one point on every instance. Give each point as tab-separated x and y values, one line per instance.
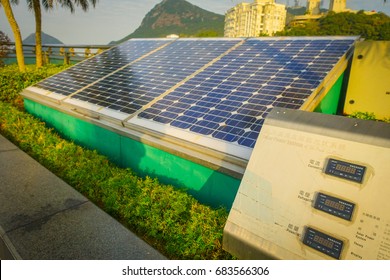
207	185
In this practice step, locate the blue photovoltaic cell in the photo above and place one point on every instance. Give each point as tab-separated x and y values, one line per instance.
91	70
230	99
136	85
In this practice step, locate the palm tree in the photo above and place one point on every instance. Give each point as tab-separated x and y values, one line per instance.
49	4
36	6
6	4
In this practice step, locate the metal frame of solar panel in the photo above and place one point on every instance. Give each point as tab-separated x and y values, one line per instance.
223	107
206	98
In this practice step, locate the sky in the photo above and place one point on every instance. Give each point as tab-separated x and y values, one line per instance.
112	20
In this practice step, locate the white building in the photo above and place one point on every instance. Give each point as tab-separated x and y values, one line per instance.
338	6
313	7
254	19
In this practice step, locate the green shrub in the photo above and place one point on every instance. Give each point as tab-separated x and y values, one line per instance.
169	219
12	82
363	115
367	116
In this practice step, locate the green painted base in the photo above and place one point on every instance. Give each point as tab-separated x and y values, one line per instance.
209	186
330	102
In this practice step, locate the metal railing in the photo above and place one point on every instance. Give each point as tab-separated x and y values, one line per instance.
52	53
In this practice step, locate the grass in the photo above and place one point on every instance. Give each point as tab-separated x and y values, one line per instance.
367	116
169	219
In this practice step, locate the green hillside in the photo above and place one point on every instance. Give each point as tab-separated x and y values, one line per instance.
296	11
178	17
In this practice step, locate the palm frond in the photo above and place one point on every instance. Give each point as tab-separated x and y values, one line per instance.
13	2
84	4
30	4
48	4
67	4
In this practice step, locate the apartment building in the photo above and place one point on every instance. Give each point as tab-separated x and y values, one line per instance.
338	6
255	19
313	7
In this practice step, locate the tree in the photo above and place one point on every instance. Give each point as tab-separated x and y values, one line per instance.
35	5
15	29
370	27
384	32
4	46
207	33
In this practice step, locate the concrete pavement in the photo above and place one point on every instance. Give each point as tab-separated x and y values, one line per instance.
41	217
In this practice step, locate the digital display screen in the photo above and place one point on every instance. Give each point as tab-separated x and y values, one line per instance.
323	242
345	170
334	206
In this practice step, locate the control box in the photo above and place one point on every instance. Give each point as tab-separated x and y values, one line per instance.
316	187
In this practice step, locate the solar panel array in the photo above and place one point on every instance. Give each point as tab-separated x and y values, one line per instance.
91	70
230	99
136	85
219	89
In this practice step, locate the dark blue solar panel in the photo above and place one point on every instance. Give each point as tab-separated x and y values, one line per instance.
230	99
91	70
141	82
240	121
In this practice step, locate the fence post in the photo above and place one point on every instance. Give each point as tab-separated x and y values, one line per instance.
47	54
66	58
87	52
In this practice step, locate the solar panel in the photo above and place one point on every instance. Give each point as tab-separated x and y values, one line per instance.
210	92
132	87
99	66
229	100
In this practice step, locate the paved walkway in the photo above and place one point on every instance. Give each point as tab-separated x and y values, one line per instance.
41	217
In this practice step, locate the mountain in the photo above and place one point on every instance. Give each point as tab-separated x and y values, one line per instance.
178	17
29	51
296	10
46	39
300	11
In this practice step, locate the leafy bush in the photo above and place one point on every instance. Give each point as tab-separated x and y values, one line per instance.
169	219
4	47
367	116
12	82
363	116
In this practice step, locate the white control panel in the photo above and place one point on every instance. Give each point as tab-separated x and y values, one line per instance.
316	187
